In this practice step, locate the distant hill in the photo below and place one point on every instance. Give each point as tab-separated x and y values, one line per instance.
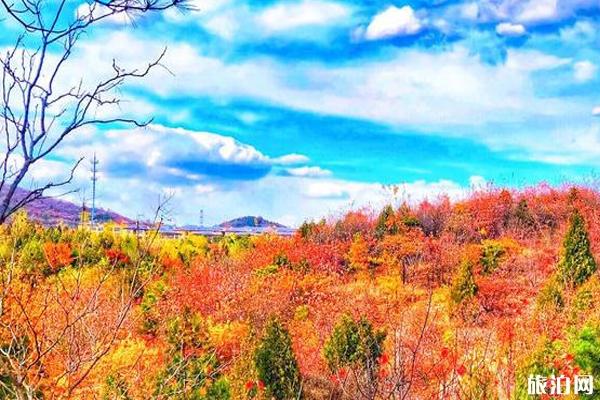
51	211
250	222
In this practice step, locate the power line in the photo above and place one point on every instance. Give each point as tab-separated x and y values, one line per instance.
94	180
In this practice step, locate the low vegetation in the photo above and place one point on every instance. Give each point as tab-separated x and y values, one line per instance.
437	300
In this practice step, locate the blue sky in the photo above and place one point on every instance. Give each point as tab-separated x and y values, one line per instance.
305	108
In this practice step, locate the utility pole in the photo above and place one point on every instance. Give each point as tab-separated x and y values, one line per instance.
94	180
202	218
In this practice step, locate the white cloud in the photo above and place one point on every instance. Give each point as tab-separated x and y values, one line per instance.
312	172
581	33
452	90
249	118
291	15
596	111
510	29
469	11
571	144
290	159
224	25
533	60
477	182
584	71
535	11
392	22
170	155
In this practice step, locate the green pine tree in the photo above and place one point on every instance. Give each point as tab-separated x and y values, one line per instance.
577	263
353	343
358	346
276	363
464	286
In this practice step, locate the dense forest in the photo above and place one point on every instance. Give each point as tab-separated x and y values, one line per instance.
437	300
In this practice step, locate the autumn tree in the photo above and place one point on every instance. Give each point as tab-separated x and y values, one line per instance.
358	254
577	263
276	363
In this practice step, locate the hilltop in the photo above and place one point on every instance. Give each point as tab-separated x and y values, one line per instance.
250	222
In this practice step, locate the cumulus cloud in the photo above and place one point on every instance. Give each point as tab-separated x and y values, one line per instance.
596	111
584	71
291	15
173	156
393	22
510	29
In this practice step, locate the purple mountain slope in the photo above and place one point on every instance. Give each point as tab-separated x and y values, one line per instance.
52	211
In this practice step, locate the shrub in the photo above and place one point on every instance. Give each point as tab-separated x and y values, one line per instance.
385	223
522	215
586	350
464	286
539	362
193	371
357	346
276	363
551	295
492	252
353	344
32	258
577	263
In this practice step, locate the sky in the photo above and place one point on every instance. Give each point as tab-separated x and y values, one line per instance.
299	109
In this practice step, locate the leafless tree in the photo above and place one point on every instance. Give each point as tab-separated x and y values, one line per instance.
37	114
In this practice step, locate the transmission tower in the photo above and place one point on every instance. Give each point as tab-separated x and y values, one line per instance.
201	217
94	180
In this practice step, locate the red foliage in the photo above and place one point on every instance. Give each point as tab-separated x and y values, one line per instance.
58	255
116	257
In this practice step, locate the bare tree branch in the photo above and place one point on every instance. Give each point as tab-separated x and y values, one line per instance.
37	116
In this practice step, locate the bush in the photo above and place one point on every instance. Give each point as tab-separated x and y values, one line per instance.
492	252
276	363
523	217
577	263
540	362
586	349
353	344
385	223
193	368
463	285
551	295
32	259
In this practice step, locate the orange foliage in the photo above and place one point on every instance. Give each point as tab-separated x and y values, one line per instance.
58	255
